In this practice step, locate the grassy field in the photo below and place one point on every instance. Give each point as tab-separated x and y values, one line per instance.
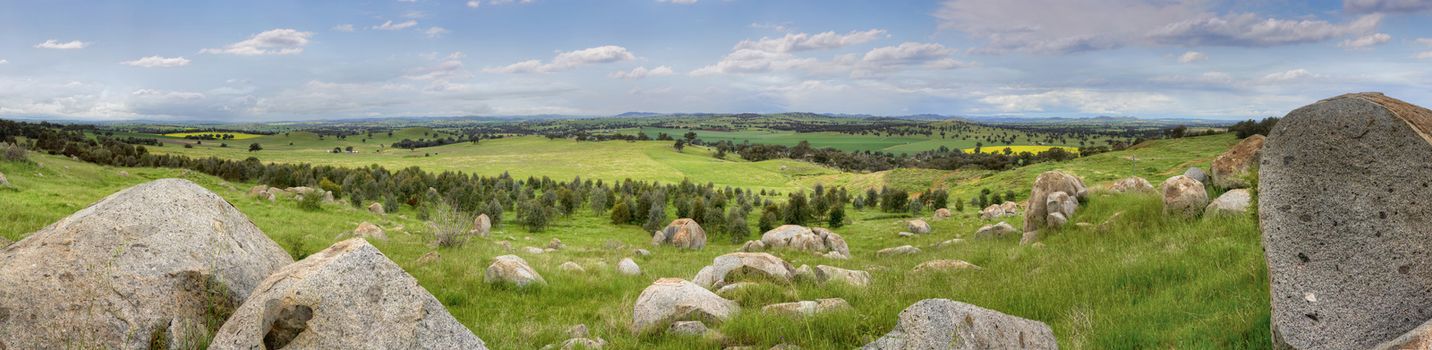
896	144
1019	149
1149	281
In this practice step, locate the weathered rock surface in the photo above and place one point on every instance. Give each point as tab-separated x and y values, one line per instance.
807	307
1182	195
687	328
944	265
781	237
1050	184
1231	169
1342	204
681	233
370	231
901	250
1131	184
344	297
731	288
555	244
674	299
753	246
512	269
942	213
947	324
376	208
150	260
996	231
726	268
917	226
628	267
482	225
1230	203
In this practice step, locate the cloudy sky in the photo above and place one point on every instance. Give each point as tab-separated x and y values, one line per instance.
286	59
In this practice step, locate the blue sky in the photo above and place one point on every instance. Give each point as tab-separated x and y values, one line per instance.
285	60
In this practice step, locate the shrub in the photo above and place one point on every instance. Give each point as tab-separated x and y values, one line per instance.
14	153
311	202
450	226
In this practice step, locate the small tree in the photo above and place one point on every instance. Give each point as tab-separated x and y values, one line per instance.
655	218
916	207
255	147
535	216
770	217
450	226
598	202
494	212
959	205
837	217
621	215
736	226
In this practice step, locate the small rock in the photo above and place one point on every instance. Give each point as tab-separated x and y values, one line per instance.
643	252
1184	196
555	244
370	231
571	267
687	328
947	324
628	267
950	242
714	276
905	234
856	278
995	231
577	331
901	250
942	213
429	258
533	250
482	225
1232	202
944	265
808	307
753	246
1131	184
675	299
1196	174
918	226
375	208
730	288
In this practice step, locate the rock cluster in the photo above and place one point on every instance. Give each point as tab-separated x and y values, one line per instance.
994	211
795	237
681	233
1052	200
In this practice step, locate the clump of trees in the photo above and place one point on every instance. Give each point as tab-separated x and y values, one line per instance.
1250	127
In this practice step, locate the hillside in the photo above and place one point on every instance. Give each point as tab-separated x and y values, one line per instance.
1147	280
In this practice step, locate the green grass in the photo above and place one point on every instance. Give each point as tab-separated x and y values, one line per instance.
1149	282
896	144
237	135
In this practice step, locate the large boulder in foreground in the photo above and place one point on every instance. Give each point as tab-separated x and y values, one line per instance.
349	296
1342	189
948	324
1184	196
674	299
149	263
1038	214
1231	169
682	233
726	268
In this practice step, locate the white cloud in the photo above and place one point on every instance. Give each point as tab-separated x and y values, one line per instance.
450	68
643	72
779	27
804	42
1058	26
568	60
56	45
1082	100
1424	41
1423	55
1370	6
434	32
681	2
4	61
271	42
1366	41
389	25
1287	76
1191	57
505	2
343	27
158	62
474	3
749	57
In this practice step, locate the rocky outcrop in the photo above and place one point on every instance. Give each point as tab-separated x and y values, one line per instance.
348	296
917	226
1231	169
1131	184
1184	196
1233	202
815	240
512	269
482	225
628	267
726	268
948	324
151	260
995	211
1053	200
995	231
674	299
1342	187
807	307
681	233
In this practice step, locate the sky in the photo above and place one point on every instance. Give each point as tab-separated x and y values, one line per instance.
268	60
